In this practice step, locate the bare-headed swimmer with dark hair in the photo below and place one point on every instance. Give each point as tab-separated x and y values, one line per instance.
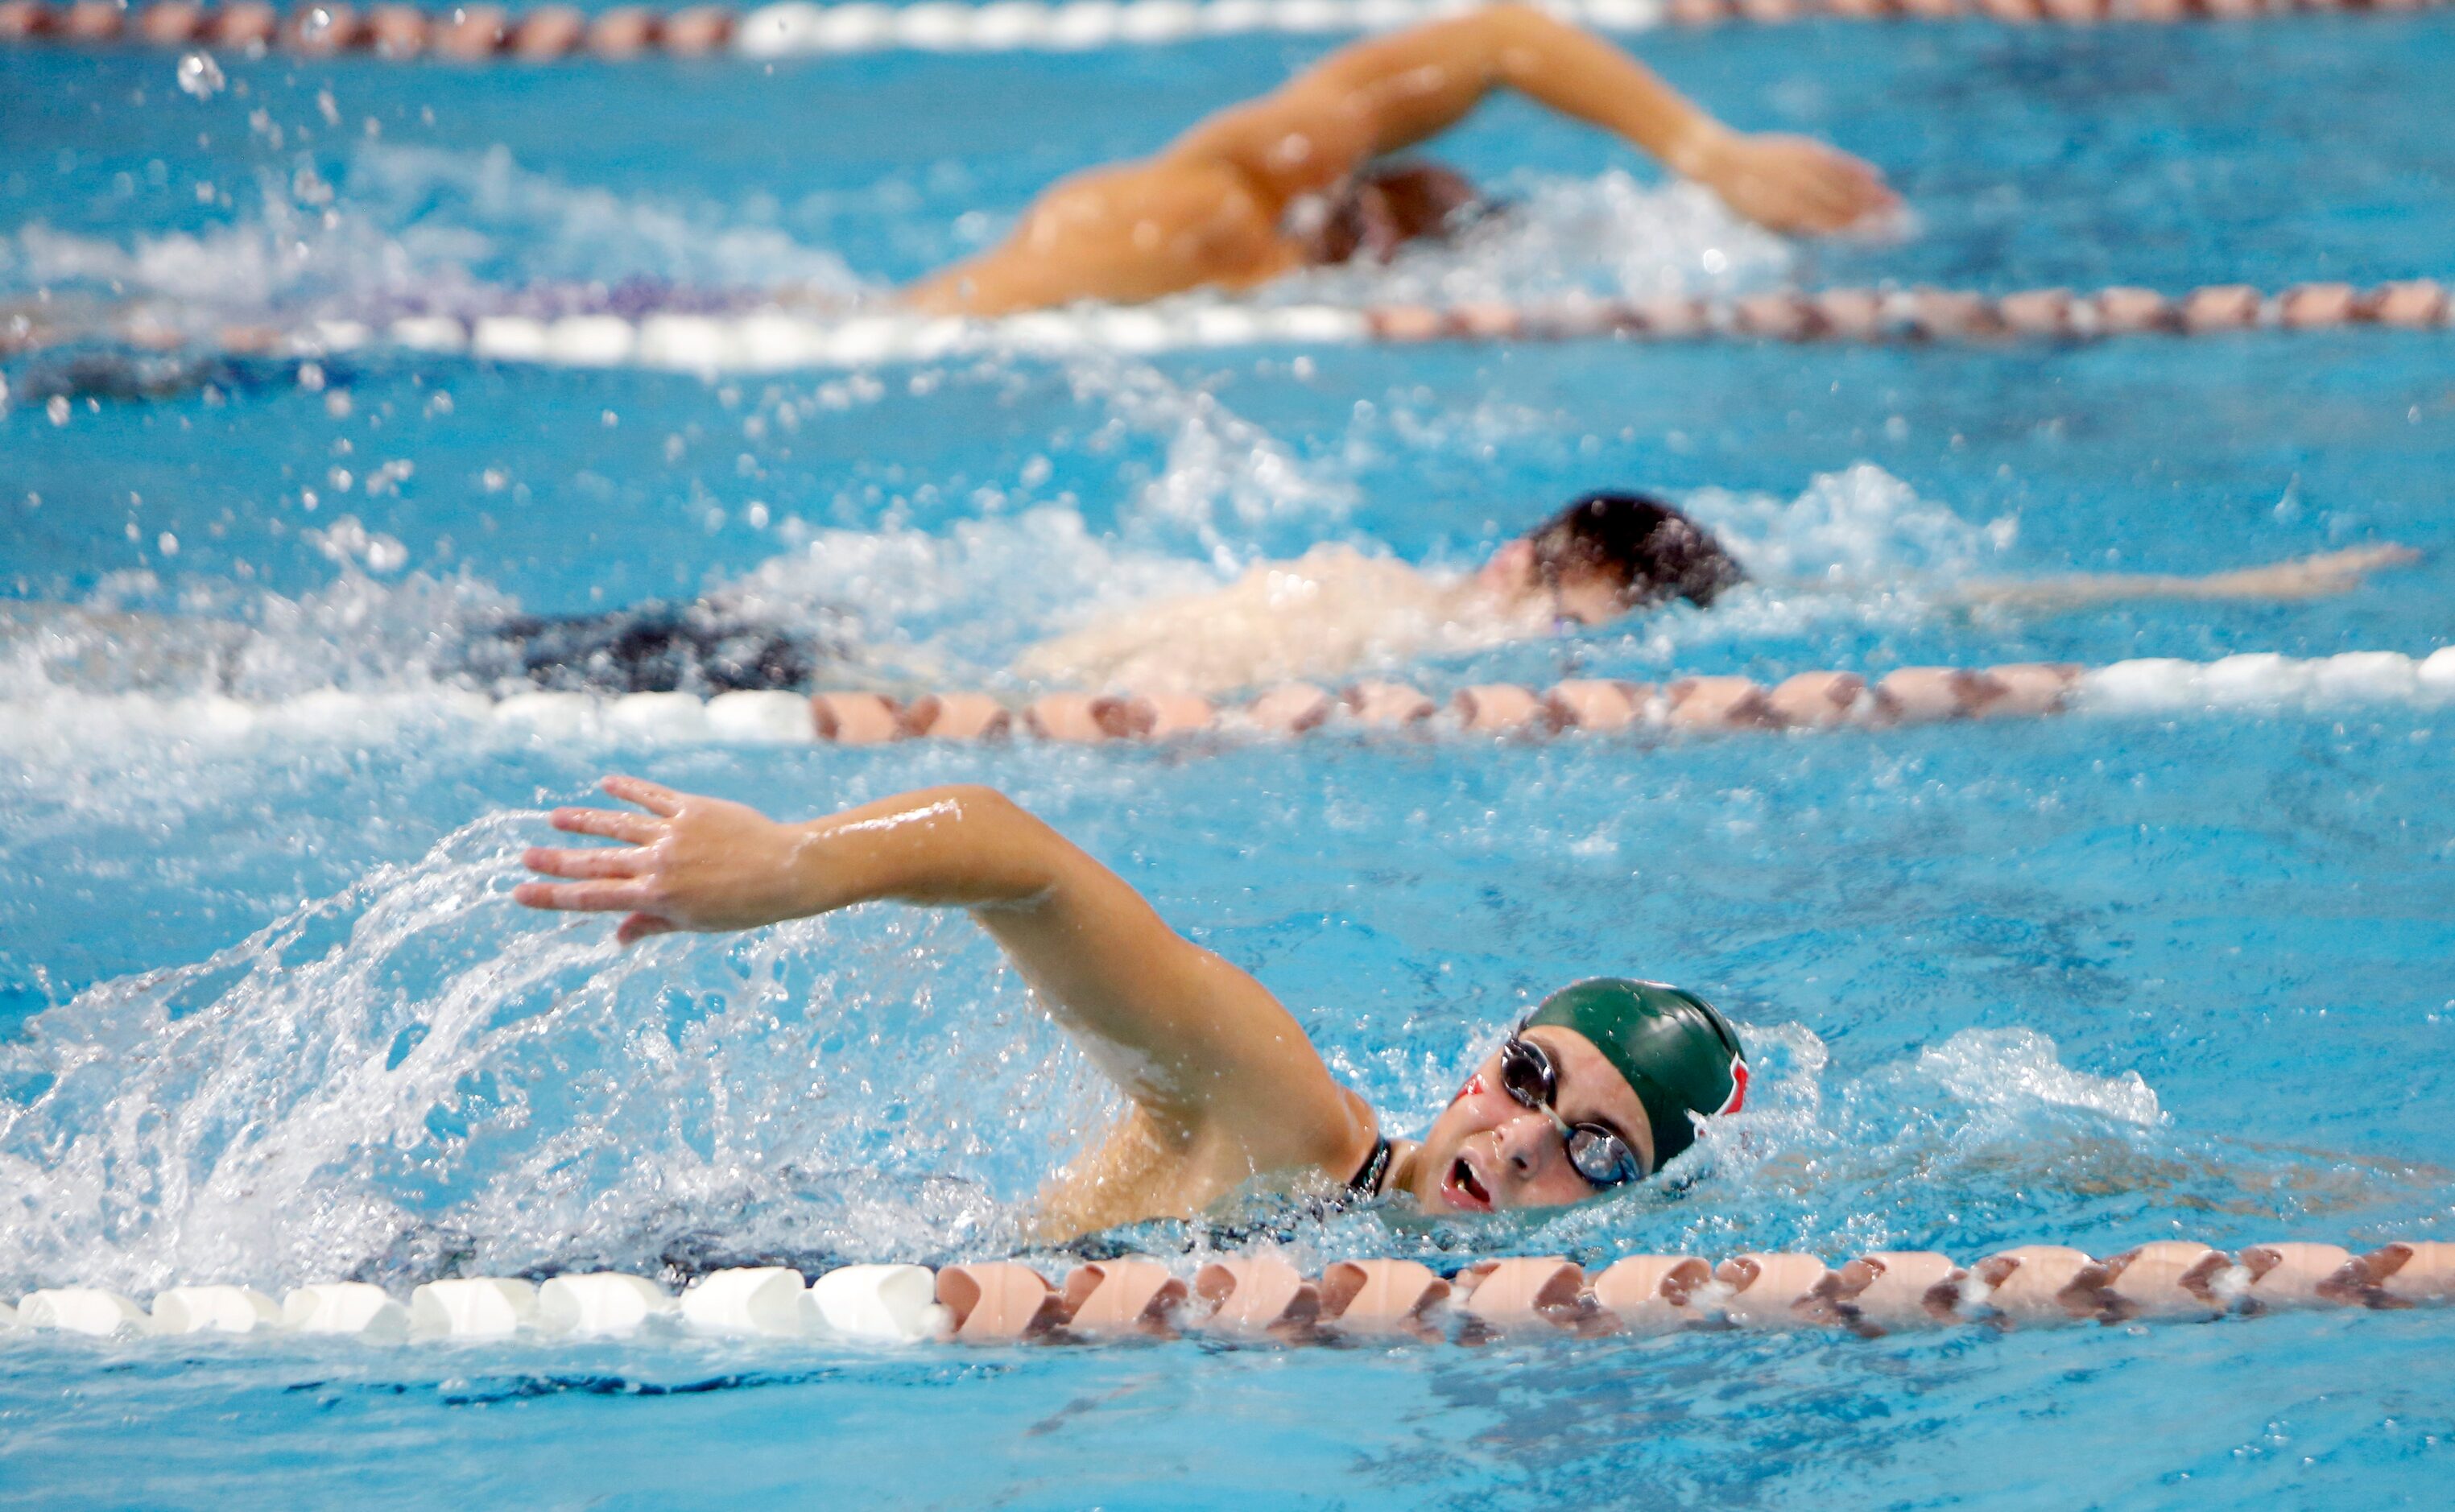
1336	611
1297	179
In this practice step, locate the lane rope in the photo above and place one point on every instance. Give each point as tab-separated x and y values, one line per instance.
2147	687
1263	1296
552	32
780	340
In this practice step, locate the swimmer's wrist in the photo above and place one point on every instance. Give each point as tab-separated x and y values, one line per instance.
1697	152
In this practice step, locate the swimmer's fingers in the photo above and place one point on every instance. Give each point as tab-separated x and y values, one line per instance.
640	926
582	898
585	864
611	823
654	797
1838	190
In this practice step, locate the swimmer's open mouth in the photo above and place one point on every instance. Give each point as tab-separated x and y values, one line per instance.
1460	1189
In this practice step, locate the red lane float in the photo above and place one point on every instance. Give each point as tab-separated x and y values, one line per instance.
801	29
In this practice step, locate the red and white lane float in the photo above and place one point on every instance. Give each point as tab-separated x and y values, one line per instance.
1367	712
1263	1299
787	340
550	32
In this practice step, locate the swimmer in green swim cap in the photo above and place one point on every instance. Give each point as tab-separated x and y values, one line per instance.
1601	1085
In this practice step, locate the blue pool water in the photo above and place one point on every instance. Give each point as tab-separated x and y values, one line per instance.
267	1014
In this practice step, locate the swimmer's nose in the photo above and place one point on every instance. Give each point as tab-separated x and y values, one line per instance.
1525	1140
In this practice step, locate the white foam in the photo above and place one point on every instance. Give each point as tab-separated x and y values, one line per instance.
879	1303
750	1300
354	1308
88	1310
8	1317
213	717
215	1310
601	1303
2231	1286
474	1307
2012	1070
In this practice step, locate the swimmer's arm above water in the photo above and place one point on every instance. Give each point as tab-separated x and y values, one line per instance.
1385	94
1205	1051
2302	577
1210	207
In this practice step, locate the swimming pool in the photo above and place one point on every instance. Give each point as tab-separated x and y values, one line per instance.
2098	980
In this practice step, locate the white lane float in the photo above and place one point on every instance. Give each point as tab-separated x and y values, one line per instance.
602	1303
88	1310
215	1310
750	1300
354	1309
474	1307
895	1304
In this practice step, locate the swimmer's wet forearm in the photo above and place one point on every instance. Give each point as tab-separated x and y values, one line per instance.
698	863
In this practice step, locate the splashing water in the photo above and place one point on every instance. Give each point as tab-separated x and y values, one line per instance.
1609	236
411	1077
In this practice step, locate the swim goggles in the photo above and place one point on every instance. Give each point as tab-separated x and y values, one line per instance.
1528	1075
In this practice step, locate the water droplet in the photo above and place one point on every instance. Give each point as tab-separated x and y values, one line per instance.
199	75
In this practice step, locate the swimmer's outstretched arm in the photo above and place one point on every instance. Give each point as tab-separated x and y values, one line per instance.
1387	93
2302	577
1209	207
1221	1072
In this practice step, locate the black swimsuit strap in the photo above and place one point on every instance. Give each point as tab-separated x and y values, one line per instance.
1368	1176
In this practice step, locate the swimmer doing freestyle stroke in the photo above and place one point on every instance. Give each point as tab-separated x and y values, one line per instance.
1601	1085
1335	610
1298	178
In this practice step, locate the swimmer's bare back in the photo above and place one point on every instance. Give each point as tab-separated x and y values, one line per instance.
1223	1087
1208	209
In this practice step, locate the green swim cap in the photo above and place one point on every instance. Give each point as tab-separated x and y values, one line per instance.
1679	1055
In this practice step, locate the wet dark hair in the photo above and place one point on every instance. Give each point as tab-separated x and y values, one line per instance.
1650	550
1389	204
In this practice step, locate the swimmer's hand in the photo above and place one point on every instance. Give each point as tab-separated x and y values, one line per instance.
1789	184
688	864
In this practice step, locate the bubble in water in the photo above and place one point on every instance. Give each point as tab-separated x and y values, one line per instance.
200	76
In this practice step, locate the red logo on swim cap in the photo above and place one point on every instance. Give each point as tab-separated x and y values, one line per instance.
1739	1088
